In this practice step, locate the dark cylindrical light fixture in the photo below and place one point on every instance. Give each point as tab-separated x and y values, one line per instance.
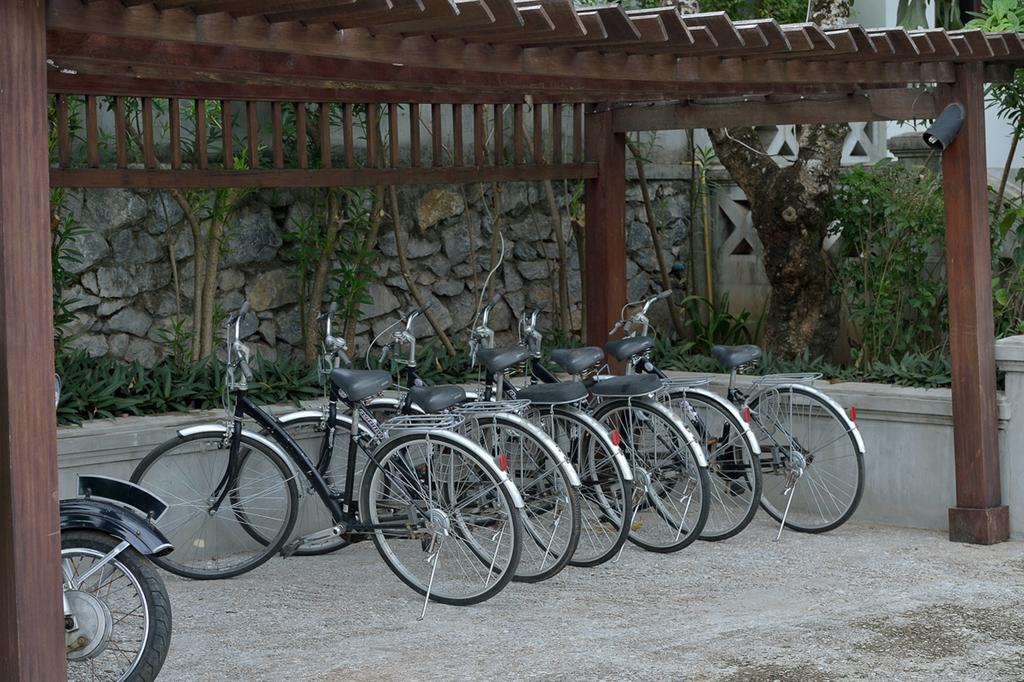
941	133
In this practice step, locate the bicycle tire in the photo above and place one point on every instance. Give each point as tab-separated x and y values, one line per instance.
606	488
845	459
644	427
734	467
409	460
550	535
277	497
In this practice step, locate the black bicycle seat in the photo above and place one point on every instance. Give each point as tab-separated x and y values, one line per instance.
553	394
627	386
357	384
500	359
575	360
623	349
433	399
731	357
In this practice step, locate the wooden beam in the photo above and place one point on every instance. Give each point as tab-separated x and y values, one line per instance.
895	104
604	258
979	515
31	622
174	123
332	177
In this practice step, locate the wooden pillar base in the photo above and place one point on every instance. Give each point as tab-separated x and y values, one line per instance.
979	526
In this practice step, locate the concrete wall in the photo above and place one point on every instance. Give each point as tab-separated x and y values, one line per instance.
908	433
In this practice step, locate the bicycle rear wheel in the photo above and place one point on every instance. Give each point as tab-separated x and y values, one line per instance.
551	515
807	439
734	470
219	527
442	517
670	489
605	491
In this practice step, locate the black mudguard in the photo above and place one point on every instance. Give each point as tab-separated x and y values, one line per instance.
116	520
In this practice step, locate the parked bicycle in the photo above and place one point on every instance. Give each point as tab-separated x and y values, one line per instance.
117	615
443	516
810	451
669	504
546	481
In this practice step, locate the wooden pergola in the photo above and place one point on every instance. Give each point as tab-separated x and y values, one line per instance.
584	75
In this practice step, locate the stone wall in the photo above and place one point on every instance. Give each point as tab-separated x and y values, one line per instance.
138	246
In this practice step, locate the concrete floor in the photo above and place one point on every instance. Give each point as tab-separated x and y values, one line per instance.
863	602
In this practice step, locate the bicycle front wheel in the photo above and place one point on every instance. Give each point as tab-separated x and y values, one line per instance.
551	515
441	517
606	490
670	498
224	517
811	458
734	471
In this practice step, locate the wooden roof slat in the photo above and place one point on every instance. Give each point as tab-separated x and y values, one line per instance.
998	46
1014	43
651	32
471	14
242	8
353	10
903	47
775	38
923	44
593	31
799	40
975	38
617	24
718	25
535	21
675	29
942	46
432	10
567	24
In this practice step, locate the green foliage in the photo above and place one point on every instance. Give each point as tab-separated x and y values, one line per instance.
63	231
353	273
890	221
713	324
913	369
1008	270
95	388
783	11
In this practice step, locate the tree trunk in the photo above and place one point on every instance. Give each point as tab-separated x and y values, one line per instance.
319	283
788	206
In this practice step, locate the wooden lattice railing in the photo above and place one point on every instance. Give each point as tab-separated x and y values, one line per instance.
120	141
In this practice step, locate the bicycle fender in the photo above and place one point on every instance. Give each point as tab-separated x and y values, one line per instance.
342	421
606	439
221	430
563	462
691	440
748	434
463	442
112	519
850	425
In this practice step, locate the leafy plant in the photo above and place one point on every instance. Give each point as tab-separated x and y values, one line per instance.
712	323
889	271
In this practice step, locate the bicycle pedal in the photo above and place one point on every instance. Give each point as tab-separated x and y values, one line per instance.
291	548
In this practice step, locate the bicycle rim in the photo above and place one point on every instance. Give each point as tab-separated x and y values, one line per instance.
798	429
255	515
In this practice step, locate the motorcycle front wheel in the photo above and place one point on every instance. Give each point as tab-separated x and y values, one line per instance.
119	625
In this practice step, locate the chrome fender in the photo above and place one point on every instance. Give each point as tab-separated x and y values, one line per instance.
221	430
545	439
341	420
851	426
465	443
606	440
748	434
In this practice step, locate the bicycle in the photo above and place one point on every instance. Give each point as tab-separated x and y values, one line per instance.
802	435
546	481
669	504
442	515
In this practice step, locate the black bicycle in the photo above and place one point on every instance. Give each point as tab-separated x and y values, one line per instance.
442	514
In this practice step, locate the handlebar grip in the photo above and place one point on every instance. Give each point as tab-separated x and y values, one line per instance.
333	309
664	294
246	307
540	306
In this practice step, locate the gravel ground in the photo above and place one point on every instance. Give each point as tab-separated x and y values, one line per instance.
863	602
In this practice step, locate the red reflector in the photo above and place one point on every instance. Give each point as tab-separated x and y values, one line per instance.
746	413
853	413
503	462
615	436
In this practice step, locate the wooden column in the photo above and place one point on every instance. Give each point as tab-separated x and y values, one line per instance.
979	516
31	616
604	266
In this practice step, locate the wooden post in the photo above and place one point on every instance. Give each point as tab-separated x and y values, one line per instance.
31	616
604	265
979	516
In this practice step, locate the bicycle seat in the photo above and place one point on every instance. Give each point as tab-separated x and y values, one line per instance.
357	384
575	360
623	349
731	357
627	386
433	399
553	394
500	359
